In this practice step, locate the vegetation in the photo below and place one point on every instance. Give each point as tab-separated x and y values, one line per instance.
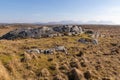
98	59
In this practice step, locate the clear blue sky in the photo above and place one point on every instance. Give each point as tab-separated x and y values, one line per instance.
57	10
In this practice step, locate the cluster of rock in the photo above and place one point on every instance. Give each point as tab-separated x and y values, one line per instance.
53	32
43	32
48	51
94	35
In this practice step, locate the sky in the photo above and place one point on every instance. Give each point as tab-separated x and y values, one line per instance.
30	11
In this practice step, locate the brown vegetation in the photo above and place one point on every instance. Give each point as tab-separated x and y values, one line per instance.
85	61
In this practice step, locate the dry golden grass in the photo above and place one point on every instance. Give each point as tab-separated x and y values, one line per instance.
18	65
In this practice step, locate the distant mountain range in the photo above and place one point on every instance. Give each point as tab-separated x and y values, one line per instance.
67	22
77	22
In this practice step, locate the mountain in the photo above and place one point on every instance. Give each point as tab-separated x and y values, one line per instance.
76	22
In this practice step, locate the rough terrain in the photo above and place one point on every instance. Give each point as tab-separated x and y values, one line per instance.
84	61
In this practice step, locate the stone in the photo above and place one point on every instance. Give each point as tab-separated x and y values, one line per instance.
33	51
61	48
87	41
49	51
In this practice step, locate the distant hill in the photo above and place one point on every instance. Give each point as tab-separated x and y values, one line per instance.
76	22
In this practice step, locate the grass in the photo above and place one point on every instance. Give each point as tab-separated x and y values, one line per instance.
18	47
13	49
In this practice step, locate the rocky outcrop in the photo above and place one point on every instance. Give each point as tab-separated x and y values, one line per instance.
28	33
42	32
68	29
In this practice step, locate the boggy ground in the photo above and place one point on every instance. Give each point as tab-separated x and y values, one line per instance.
84	62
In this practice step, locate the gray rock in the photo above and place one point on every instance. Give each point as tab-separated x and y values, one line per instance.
49	51
68	29
42	32
84	40
87	41
76	29
61	48
33	51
